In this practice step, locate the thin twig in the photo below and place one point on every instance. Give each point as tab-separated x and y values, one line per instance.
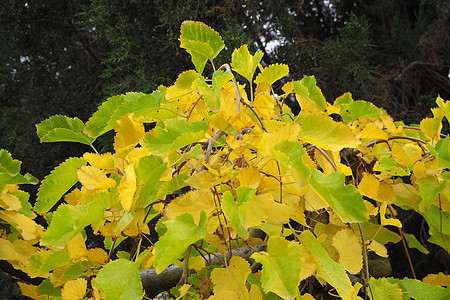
257	116
193	106
366	261
327	157
183	279
404	243
187	161
210	145
236	87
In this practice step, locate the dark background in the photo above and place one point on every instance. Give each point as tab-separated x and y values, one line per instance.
66	57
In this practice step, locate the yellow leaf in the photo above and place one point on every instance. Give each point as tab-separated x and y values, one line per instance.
97	255
391	221
371	187
147	263
407	154
192	202
25	225
432	127
77	247
10	202
373	132
249	177
329	135
439	279
29	290
203	180
264	105
74	289
7	251
378	248
349	248
286	132
93	178
129	132
127	188
262	208
309	267
183	290
101	161
231	280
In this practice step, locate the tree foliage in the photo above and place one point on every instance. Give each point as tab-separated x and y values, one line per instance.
322	187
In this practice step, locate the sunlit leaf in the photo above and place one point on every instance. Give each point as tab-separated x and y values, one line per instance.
250	177
390	221
105	118
244	63
201	41
193	202
175	134
309	94
68	221
329	135
235	209
149	171
371	187
120	279
127	188
432	127
129	133
210	97
272	73
363	109
57	183
45	261
345	200
429	189
181	232
419	290
291	155
327	268
382	289
232	279
74	289
63	129
9	171
92	178
349	248
281	267
26	226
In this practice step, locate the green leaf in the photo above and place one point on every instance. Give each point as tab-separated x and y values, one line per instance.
281	267
181	232
291	155
345	98
149	171
113	108
210	97
63	129
47	288
235	211
173	185
272	73
363	109
389	166
219	79
201	42
327	268
57	183
383	289
416	289
377	233
414	243
307	89
438	219
175	134
107	198
120	279
68	221
429	188
43	262
244	63
26	205
345	200
443	149
9	171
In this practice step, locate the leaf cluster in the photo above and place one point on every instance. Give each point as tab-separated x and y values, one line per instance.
308	196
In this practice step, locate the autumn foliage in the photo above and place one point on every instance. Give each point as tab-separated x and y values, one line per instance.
320	188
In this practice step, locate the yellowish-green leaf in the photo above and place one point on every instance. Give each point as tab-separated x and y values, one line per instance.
235	209
201	42
92	178
127	188
181	232
244	63
329	135
309	94
327	268
382	289
429	189
26	226
414	243
193	202
272	73
281	267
